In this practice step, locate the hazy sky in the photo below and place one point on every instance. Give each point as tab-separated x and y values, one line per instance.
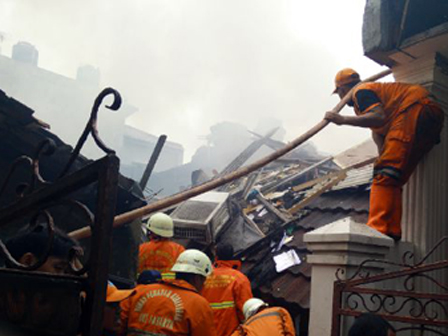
188	64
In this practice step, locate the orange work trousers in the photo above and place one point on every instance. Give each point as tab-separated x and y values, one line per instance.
412	134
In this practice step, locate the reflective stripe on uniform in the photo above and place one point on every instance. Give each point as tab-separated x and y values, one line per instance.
222	305
168	275
388	171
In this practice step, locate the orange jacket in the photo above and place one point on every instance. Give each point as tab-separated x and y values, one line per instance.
394	98
227	289
274	321
159	255
169	308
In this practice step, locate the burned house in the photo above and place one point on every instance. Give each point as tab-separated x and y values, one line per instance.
280	217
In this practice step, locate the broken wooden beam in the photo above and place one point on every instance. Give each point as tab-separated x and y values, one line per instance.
271	208
152	161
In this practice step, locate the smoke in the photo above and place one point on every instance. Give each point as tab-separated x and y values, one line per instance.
187	65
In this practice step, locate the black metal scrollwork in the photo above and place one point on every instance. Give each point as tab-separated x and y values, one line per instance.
404	302
46	147
36	181
431	252
92	127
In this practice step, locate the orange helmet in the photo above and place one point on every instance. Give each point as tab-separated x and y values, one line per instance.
344	77
117	295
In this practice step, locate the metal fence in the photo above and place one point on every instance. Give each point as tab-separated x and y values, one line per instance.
413	296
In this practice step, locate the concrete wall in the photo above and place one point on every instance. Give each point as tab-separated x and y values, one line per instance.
425	214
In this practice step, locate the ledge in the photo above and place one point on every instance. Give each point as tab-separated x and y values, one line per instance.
347	230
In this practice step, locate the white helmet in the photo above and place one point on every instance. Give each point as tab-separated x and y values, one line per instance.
251	306
193	261
161	224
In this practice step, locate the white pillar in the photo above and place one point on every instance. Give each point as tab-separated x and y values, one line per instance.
343	245
425	211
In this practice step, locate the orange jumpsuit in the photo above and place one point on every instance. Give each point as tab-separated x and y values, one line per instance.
227	289
159	255
172	307
274	321
413	125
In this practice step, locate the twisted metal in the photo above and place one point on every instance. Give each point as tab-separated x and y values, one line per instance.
409	282
77	253
422	328
92	127
48	220
431	252
36	181
46	147
439	305
355	301
19	161
405	305
361	273
418	308
408	255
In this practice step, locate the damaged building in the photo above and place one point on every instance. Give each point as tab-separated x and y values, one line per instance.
64	103
297	223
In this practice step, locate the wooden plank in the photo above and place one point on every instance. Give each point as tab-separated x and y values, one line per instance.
342	175
312	183
271	208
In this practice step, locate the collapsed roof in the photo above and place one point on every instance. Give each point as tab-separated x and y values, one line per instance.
348	198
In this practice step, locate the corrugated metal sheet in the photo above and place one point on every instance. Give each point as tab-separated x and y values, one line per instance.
356	177
291	288
320	218
360	153
425	203
425	206
344	201
425	210
303	269
297	242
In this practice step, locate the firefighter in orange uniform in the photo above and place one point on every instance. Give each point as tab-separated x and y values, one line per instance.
262	320
406	123
174	306
160	253
227	289
114	298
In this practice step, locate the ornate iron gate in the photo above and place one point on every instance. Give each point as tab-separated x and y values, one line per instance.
410	308
51	304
